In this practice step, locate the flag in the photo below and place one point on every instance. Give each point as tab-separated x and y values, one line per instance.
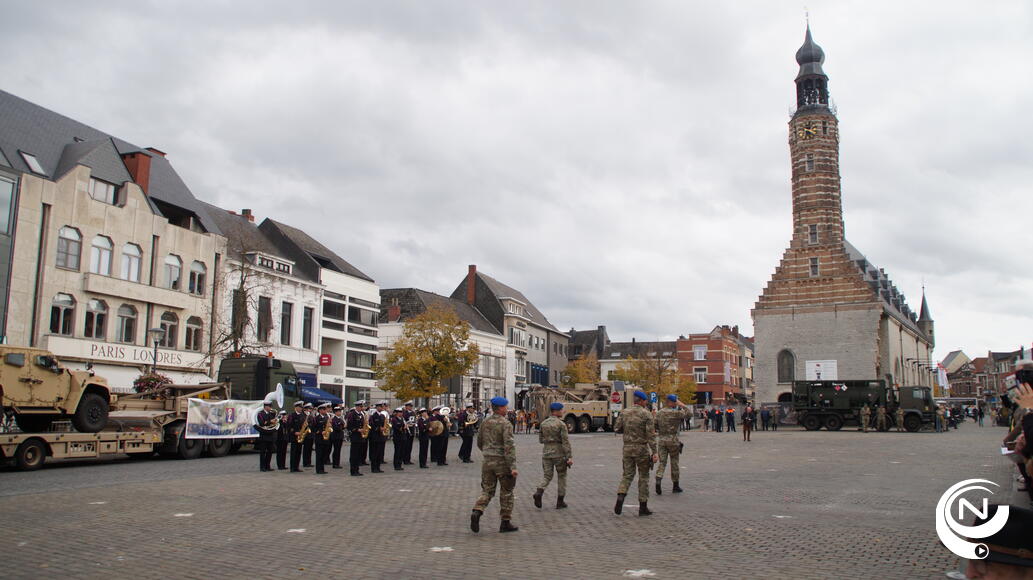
941	377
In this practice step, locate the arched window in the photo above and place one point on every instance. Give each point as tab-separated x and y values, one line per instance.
100	256
193	333
173	271
197	276
786	366
170	324
62	315
126	324
131	256
69	248
96	320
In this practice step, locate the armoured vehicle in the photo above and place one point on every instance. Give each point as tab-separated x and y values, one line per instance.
833	404
586	406
251	378
38	391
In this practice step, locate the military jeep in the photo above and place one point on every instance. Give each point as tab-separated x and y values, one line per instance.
38	391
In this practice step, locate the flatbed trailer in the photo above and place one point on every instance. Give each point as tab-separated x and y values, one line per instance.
139	425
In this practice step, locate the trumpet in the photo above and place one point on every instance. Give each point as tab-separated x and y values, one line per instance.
305	430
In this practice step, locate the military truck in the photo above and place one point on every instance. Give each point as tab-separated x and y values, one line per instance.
37	390
253	377
586	406
833	404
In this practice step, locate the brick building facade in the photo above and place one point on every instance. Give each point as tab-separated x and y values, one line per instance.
719	361
826	303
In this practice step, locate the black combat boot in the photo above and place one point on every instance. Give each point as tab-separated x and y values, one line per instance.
475	520
560	504
659	490
507	526
677	488
643	509
619	506
538	498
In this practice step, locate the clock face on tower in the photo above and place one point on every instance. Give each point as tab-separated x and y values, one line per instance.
806	131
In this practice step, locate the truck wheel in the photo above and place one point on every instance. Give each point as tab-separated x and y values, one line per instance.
30	455
190	448
235	446
912	423
571	424
584	424
33	423
811	422
219	447
91	415
833	422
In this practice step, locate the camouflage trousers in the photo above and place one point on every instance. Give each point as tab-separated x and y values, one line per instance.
494	471
559	464
672	449
880	423
643	462
900	423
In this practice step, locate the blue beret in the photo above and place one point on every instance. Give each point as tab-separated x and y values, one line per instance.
557	406
641	395
499	402
672	398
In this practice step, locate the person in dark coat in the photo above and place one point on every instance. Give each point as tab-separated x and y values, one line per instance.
317	424
264	421
409	414
718	420
307	444
466	432
377	439
337	437
400	437
423	436
296	421
354	421
283	439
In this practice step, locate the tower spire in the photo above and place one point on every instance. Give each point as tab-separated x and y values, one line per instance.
811	82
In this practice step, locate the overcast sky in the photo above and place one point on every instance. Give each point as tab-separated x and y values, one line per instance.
621	163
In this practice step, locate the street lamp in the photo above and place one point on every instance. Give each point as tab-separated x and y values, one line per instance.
156	334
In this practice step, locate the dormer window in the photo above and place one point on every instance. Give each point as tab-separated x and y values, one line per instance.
266	262
103	191
281	267
32	162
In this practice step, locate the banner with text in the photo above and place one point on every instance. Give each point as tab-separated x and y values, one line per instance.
221	419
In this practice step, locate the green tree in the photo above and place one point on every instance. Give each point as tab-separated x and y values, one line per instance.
584	369
657	373
434	346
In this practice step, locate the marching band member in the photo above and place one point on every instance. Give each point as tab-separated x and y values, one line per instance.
296	422
283	438
320	439
355	421
377	439
400	436
423	435
467	421
264	421
337	437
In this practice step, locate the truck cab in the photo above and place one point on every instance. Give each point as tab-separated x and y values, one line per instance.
917	403
251	378
38	391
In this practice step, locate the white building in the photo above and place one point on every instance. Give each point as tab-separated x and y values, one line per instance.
497	360
349	317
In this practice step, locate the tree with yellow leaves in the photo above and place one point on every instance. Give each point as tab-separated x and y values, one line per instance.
584	369
434	346
657	373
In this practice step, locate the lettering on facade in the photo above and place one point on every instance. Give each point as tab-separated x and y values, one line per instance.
137	355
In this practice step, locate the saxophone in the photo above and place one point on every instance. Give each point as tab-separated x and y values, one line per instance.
328	429
385	429
305	430
364	430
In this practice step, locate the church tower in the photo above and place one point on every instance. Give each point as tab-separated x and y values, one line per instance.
826	306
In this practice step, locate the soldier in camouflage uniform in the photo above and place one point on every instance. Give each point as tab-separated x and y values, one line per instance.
866	416
900	419
668	424
637	425
495	440
880	418
556	455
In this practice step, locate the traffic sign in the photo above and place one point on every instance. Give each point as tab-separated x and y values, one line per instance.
652	397
615	397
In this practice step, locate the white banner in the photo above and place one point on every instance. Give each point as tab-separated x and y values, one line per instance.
822	370
221	419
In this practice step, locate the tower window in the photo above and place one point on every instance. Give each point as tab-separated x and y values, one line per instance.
786	364
814	266
809	162
824	127
812	233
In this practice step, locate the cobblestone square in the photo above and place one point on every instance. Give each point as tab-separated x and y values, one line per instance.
790	504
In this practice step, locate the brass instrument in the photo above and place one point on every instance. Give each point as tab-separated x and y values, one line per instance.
410	425
270	425
385	429
471	419
364	430
328	429
305	430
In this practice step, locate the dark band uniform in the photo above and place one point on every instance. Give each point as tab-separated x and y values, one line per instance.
466	433
336	439
353	420
424	436
296	421
410	418
283	439
306	445
266	438
317	423
377	442
400	436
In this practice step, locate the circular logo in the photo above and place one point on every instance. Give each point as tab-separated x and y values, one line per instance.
953	534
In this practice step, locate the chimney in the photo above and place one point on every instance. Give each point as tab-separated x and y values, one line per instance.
139	165
156	151
471	285
247	214
394	313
